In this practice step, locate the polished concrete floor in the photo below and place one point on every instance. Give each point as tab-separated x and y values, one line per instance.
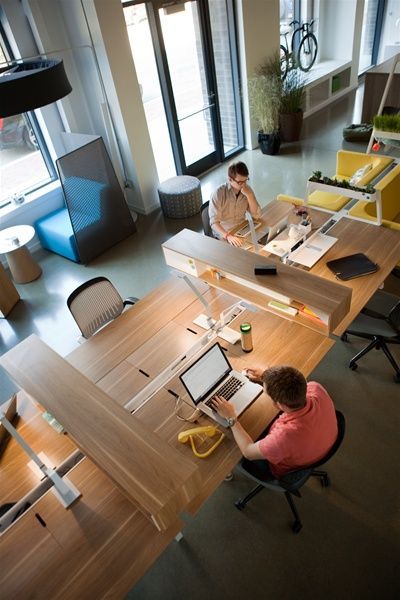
349	545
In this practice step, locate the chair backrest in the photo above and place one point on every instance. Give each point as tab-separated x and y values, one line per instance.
295	479
93	304
394	317
206	219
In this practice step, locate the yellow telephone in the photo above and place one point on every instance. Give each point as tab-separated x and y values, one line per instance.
208	431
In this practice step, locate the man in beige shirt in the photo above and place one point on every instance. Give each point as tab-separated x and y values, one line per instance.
229	203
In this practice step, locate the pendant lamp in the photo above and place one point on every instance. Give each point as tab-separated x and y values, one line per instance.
31	84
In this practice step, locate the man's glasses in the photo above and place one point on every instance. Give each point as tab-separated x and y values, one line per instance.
242	182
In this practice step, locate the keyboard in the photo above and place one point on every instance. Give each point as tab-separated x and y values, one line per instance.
230	387
245	230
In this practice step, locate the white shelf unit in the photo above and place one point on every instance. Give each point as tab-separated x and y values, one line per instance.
326	82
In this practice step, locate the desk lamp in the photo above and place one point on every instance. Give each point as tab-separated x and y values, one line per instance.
31	84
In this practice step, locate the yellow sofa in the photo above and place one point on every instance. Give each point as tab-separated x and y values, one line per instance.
347	163
389	187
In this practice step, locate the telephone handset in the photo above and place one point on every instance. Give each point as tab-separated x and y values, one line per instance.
208	431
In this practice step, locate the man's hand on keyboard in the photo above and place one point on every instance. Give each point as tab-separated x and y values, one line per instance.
234	240
223	407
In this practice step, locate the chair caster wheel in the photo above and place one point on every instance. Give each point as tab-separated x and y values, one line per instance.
239	505
353	366
325	481
344	337
296	527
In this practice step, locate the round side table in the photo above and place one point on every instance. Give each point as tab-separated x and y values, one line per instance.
12	243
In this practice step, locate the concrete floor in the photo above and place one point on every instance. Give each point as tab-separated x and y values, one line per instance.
349	545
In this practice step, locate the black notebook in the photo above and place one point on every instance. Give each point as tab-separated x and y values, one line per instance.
352	266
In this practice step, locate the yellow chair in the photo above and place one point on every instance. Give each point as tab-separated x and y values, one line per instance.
347	163
389	187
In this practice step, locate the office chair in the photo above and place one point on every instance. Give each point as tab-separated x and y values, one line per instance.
206	219
291	483
379	321
95	303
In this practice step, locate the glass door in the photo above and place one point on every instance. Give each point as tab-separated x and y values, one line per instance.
189	87
202	131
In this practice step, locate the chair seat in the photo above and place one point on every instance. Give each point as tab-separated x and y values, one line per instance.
55	233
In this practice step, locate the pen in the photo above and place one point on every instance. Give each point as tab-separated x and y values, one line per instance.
314	247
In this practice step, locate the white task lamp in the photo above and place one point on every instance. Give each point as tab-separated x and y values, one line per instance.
63	489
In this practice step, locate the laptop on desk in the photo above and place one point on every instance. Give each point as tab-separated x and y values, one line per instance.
212	375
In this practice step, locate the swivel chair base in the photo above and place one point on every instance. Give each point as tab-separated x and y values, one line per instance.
379	344
297	524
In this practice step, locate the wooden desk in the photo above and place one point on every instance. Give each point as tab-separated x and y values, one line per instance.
102	545
380	244
375	81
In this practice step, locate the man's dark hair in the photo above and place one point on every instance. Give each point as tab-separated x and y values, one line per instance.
285	385
238	168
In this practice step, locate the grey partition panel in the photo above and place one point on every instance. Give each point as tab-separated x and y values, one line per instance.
96	204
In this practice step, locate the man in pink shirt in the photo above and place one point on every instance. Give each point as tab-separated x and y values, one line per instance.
300	436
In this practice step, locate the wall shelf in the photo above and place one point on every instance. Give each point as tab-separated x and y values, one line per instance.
326	82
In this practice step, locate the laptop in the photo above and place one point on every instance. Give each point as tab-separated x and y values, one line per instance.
273	231
212	375
350	267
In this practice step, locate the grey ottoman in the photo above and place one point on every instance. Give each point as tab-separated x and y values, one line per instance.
180	196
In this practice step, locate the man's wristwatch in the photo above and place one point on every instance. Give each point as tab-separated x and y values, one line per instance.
231	421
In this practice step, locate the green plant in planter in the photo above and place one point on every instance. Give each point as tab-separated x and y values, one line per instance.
387	123
264	97
293	92
317	177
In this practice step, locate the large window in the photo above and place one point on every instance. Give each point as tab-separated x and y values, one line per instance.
25	164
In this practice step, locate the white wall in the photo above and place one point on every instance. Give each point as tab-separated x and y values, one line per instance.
258	37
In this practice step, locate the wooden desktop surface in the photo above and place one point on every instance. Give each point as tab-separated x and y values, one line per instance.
102	545
380	244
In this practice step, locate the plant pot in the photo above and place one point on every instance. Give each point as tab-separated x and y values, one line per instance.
290	126
269	142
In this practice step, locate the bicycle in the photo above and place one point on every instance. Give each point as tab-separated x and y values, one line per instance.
303	53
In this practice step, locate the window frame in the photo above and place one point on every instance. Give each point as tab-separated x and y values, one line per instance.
32	119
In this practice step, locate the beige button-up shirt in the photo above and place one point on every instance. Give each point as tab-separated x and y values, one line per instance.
227	209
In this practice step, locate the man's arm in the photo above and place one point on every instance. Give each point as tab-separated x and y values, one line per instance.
247	447
214	213
252	200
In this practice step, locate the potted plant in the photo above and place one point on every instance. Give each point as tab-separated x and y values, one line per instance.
264	97
292	105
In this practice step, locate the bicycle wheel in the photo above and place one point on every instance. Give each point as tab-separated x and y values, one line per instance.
307	52
284	57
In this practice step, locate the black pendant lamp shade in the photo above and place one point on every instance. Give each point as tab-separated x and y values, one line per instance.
32	84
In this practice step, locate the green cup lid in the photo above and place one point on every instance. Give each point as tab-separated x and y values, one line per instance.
245	327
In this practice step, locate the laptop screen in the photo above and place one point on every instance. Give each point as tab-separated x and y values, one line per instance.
206	373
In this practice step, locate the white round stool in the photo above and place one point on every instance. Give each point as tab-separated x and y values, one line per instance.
12	243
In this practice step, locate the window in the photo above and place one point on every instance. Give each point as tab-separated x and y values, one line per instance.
25	162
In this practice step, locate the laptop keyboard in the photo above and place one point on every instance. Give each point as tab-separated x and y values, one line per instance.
245	230
230	387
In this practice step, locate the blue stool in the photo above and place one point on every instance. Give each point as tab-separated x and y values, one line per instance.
56	234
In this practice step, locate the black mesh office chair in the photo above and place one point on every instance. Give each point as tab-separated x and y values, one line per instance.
206	219
291	483
95	303
379	321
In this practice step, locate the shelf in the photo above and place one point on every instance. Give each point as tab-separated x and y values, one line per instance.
326	82
232	271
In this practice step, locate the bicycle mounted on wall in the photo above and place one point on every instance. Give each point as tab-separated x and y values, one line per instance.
304	48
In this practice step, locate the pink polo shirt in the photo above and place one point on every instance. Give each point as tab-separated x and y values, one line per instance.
302	437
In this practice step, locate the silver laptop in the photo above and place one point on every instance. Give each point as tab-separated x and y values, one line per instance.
212	375
273	232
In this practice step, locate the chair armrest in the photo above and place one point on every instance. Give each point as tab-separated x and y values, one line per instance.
130	300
